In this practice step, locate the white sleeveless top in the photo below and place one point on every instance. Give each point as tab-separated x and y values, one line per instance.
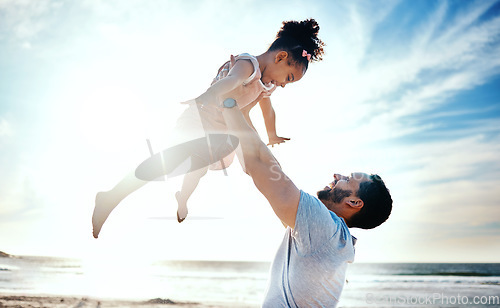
199	120
251	88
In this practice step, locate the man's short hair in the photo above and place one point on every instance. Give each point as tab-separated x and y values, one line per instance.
377	204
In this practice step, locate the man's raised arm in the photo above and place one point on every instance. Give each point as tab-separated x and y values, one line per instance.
264	169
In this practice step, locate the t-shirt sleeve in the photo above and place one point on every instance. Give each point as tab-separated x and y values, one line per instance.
315	225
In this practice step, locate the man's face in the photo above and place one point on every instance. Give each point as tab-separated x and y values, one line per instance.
342	187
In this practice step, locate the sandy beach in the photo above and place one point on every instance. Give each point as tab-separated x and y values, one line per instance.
74	302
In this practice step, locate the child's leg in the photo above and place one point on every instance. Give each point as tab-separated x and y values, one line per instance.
106	201
189	184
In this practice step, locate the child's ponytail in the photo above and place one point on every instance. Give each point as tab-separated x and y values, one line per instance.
300	38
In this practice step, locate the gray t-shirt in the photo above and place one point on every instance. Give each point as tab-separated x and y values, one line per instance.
310	265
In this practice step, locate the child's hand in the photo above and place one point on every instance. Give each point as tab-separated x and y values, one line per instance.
276	140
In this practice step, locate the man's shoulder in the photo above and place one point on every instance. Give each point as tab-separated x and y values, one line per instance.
308	198
316	205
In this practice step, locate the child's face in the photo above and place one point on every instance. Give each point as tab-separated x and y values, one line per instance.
280	72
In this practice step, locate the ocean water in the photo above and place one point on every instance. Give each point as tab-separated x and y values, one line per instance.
186	281
422	285
368	285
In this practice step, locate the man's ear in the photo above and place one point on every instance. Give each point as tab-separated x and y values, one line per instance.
280	56
355	203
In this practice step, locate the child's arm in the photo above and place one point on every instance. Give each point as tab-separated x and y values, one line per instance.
270	121
238	74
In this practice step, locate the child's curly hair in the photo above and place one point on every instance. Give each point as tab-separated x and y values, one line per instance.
297	36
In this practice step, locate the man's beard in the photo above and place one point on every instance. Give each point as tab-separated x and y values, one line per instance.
335	195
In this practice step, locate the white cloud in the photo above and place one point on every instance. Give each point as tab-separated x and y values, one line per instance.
5	128
25	18
433	67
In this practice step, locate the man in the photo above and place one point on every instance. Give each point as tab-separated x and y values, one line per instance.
310	265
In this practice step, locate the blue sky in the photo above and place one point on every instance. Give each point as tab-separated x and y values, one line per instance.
407	89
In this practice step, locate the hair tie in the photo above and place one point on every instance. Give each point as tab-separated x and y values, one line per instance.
305	54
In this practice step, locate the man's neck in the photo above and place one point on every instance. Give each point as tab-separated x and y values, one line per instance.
336	209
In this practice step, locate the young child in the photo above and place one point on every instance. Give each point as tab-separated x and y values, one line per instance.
246	79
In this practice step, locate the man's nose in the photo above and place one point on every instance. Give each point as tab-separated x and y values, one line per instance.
339	177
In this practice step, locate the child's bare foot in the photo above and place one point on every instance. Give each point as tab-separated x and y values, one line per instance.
182	209
104	204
